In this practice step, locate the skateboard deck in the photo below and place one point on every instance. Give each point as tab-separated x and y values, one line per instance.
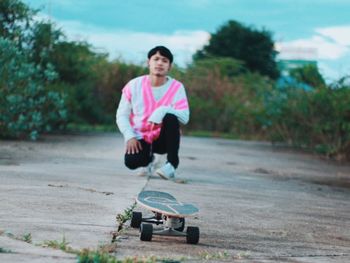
165	204
167	212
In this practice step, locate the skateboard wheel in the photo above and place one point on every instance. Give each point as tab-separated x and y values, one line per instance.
182	227
136	219
192	235
146	232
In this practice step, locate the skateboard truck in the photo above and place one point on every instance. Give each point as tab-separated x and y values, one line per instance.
157	219
172	227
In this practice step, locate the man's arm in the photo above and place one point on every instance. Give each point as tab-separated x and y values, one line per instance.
122	119
158	115
179	108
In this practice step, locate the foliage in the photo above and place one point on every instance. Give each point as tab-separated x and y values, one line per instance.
205	255
97	256
226	104
43	41
27	237
4	250
26	107
91	82
125	216
254	47
73	61
62	245
15	19
317	119
111	78
89	256
309	75
230	100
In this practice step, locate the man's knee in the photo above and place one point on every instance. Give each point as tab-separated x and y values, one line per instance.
170	119
134	161
130	164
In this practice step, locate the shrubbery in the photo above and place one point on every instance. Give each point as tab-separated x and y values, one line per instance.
317	119
26	107
226	98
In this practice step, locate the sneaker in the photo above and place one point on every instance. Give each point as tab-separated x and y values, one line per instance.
158	161
166	172
145	171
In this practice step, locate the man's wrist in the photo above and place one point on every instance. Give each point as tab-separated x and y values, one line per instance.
128	137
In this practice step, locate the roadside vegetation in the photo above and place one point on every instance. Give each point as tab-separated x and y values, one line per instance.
50	84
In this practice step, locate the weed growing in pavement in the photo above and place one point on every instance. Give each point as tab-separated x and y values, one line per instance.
121	219
62	245
9	234
168	260
4	250
125	216
95	256
27	238
214	256
242	255
98	256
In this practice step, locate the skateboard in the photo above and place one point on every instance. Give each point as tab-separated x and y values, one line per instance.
167	212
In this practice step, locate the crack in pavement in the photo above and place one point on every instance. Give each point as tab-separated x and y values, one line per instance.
81	188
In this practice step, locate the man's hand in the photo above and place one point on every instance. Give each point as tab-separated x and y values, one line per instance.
133	146
154	125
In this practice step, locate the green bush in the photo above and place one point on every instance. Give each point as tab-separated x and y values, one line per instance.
224	99
26	107
93	99
317	119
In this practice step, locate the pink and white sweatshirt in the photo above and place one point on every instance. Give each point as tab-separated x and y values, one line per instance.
141	104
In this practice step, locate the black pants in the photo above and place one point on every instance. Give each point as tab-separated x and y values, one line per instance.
168	142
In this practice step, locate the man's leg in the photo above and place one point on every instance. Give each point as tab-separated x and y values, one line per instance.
140	159
169	139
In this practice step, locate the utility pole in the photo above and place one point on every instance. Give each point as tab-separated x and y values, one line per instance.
50	23
49	9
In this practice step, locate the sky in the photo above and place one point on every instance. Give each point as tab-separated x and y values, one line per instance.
126	29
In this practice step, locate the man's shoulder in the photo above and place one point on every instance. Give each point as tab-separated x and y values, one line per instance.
173	80
136	82
136	79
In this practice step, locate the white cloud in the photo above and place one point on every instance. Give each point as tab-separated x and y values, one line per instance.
330	46
133	46
316	47
339	34
329	43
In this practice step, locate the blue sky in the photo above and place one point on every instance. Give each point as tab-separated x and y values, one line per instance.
306	29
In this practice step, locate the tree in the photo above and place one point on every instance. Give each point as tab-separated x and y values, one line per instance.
43	39
255	48
309	75
26	107
15	19
73	61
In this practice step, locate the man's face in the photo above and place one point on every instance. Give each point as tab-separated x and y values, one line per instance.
159	65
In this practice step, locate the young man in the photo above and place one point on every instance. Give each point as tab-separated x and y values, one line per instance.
149	112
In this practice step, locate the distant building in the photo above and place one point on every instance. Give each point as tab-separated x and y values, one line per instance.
285	65
291	57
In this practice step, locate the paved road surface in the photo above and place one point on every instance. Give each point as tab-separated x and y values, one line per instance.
258	203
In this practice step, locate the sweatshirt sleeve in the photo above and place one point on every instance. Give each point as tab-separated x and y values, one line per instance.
122	118
179	108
